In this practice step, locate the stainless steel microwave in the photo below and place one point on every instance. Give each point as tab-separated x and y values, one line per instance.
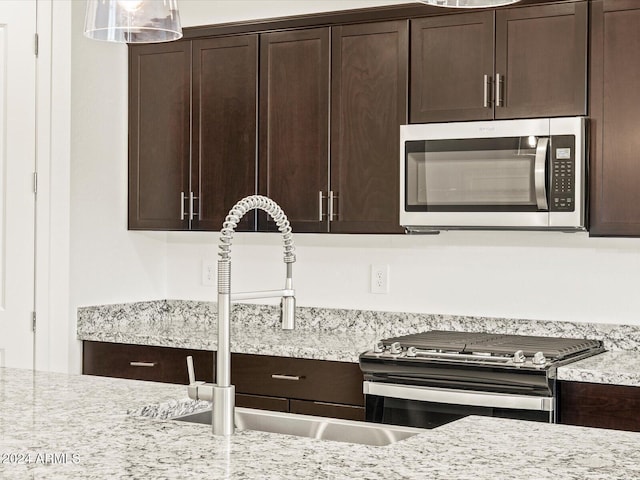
507	174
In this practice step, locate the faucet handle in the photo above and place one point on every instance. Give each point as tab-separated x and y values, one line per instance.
288	312
190	370
197	390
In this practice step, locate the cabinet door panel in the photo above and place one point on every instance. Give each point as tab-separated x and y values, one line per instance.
275	404
224	127
541	52
294	125
322	409
369	103
159	103
615	119
450	55
599	405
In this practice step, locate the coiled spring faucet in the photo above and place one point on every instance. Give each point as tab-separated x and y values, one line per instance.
223	393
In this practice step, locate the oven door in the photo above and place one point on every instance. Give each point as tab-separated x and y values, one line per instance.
427	407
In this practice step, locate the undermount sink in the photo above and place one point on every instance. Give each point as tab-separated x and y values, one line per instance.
312	427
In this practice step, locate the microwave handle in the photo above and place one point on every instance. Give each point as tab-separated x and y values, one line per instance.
540	173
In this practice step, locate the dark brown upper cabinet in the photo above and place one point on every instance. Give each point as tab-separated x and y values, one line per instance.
192	132
223	159
504	63
450	57
368	105
159	138
355	189
615	118
294	125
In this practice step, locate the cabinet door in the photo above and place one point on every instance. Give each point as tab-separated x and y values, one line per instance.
541	57
276	404
615	118
159	142
368	105
225	76
452	68
599	405
294	125
323	409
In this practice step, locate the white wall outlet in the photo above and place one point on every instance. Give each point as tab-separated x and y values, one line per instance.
379	278
209	273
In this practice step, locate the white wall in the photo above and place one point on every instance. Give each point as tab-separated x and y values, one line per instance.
208	12
108	264
527	275
533	275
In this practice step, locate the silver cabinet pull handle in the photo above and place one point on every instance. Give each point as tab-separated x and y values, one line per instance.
499	83
143	364
277	376
487	92
320	213
190	205
330	208
182	198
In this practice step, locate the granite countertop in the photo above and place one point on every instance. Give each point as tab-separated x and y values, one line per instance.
58	426
339	334
616	368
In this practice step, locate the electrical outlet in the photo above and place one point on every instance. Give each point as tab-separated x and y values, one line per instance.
209	272
379	278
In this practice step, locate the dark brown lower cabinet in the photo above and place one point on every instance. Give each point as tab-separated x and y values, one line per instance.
323	409
282	384
599	405
276	404
145	362
297	385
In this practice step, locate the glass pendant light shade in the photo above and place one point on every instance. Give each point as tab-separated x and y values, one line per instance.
133	21
468	3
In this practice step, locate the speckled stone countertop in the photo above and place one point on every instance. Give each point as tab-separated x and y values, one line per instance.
615	368
340	334
56	426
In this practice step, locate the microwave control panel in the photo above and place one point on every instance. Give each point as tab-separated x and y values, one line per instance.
563	174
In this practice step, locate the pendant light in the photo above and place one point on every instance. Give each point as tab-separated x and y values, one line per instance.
133	21
468	3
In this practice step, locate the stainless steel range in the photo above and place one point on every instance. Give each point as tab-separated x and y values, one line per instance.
432	378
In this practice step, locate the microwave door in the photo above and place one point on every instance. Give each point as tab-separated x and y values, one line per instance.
540	174
490	182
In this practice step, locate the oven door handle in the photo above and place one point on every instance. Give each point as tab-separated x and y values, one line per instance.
539	172
459	397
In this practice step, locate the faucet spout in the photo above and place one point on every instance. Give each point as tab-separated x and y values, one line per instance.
223	391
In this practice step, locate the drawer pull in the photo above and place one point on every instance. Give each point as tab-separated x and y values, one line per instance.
277	376
143	364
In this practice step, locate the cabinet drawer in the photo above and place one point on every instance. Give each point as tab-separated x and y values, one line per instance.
275	404
144	362
296	378
323	409
599	405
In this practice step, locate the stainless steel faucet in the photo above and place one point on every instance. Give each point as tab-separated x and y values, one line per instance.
222	393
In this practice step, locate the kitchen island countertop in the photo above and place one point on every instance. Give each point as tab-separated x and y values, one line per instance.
78	427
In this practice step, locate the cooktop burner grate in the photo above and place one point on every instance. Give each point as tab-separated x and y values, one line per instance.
494	344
